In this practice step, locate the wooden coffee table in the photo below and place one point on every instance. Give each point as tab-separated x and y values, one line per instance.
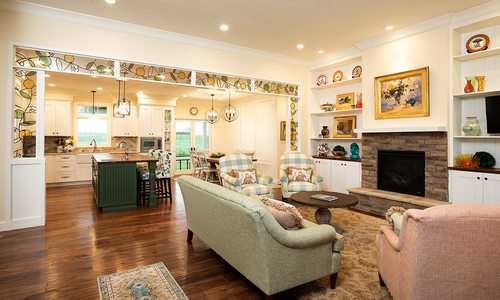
323	214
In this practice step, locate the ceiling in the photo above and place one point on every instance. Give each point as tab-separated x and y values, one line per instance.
275	26
82	85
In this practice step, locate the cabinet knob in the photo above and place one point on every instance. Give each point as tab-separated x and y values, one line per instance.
478	177
485	178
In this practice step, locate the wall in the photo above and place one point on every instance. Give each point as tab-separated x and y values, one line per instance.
24	29
429	48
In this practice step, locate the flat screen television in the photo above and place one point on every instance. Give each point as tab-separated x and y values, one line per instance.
493	114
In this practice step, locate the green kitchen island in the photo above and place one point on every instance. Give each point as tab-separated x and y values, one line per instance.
114	180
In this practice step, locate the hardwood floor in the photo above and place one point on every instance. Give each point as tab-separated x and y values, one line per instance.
63	259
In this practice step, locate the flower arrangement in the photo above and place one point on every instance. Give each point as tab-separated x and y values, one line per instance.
69	145
217	154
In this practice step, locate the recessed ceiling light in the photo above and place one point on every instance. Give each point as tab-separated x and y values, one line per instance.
300	46
52	84
224	27
99	88
321	51
140	92
110	1
220	98
389	27
184	95
47	75
93	76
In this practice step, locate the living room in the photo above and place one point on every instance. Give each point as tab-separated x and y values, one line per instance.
296	88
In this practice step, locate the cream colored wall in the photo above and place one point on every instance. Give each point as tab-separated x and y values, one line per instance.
430	49
42	32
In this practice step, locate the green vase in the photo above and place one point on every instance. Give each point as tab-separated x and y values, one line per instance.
471	127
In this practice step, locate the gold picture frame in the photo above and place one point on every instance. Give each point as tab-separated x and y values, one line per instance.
344	101
402	95
283	130
343	127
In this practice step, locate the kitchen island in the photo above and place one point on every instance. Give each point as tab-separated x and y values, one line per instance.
114	178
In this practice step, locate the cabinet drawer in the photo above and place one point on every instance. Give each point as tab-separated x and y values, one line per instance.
83	172
65	158
64	176
65	167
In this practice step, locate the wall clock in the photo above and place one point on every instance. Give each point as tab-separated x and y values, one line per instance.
193	111
337	76
478	42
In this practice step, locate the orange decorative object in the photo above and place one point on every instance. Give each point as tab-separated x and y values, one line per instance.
467	161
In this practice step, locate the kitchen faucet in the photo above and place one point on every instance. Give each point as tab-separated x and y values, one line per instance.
126	147
95	144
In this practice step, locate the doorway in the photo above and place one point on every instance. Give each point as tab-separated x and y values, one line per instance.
189	135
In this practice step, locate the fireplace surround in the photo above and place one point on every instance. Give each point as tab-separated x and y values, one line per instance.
401	172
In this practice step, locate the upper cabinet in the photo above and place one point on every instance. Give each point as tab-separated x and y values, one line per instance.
128	125
57	118
470	102
150	121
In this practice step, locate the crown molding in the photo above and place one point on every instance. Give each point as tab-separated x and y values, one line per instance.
334	57
476	14
88	20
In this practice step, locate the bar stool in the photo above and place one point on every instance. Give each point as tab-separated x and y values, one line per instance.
163	183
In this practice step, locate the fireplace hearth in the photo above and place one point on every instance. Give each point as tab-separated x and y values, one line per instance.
401	172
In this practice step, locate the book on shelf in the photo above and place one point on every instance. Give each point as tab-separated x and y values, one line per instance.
324	197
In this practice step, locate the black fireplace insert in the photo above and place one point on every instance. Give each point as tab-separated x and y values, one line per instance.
401	172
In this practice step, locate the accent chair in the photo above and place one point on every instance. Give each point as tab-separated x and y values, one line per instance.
302	161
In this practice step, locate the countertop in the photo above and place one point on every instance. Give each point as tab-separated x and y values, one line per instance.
113	158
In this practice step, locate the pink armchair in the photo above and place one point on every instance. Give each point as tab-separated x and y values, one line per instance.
443	252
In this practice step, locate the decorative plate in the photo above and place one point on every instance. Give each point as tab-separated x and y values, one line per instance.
193	111
356	72
337	76
321	80
478	42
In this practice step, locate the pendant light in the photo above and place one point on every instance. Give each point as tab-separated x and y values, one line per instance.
212	116
93	105
231	113
123	104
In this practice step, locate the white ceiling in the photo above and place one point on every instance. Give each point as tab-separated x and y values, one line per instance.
275	26
82	85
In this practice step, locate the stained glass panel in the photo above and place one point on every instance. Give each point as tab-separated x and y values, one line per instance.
294	124
154	73
63	62
223	81
24	126
273	87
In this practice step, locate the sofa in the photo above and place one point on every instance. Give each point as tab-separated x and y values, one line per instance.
243	232
443	252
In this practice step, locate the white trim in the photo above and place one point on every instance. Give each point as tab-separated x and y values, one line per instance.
88	20
22	223
8	134
40	114
403	129
476	14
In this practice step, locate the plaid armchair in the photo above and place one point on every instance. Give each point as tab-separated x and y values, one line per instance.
298	160
243	162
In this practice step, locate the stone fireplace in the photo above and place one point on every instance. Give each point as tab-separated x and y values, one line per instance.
401	172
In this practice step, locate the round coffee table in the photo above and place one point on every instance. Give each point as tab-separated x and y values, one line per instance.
323	214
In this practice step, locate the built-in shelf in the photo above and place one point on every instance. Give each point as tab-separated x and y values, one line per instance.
338	83
345	158
338	112
477	137
479	170
335	139
403	129
476	94
476	55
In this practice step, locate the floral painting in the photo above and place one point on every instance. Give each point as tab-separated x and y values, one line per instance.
402	95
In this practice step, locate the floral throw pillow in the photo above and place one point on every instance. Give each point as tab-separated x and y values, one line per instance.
299	174
245	176
394	216
286	208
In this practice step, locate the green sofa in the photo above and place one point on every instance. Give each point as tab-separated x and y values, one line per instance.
245	234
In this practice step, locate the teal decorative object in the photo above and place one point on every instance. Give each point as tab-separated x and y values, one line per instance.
354	151
486	160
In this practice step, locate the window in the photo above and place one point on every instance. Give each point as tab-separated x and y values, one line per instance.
92	123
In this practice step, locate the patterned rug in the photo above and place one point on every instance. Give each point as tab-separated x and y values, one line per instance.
358	276
145	283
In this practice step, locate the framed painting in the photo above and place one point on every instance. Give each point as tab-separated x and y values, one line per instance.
402	95
344	101
343	127
283	130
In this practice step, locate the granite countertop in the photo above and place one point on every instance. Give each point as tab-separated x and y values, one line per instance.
114	158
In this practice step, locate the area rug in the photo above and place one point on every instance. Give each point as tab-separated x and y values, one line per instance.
145	283
358	276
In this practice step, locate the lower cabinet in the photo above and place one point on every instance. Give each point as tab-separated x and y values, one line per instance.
68	168
339	175
474	187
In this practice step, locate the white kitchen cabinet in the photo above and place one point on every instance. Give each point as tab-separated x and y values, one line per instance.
345	175
150	121
57	118
127	126
323	167
49	168
62	168
474	187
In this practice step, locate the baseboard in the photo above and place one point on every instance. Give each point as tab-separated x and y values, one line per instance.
21	223
57	184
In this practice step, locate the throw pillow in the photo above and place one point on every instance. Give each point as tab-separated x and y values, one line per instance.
286	208
299	174
285	219
245	176
394	216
